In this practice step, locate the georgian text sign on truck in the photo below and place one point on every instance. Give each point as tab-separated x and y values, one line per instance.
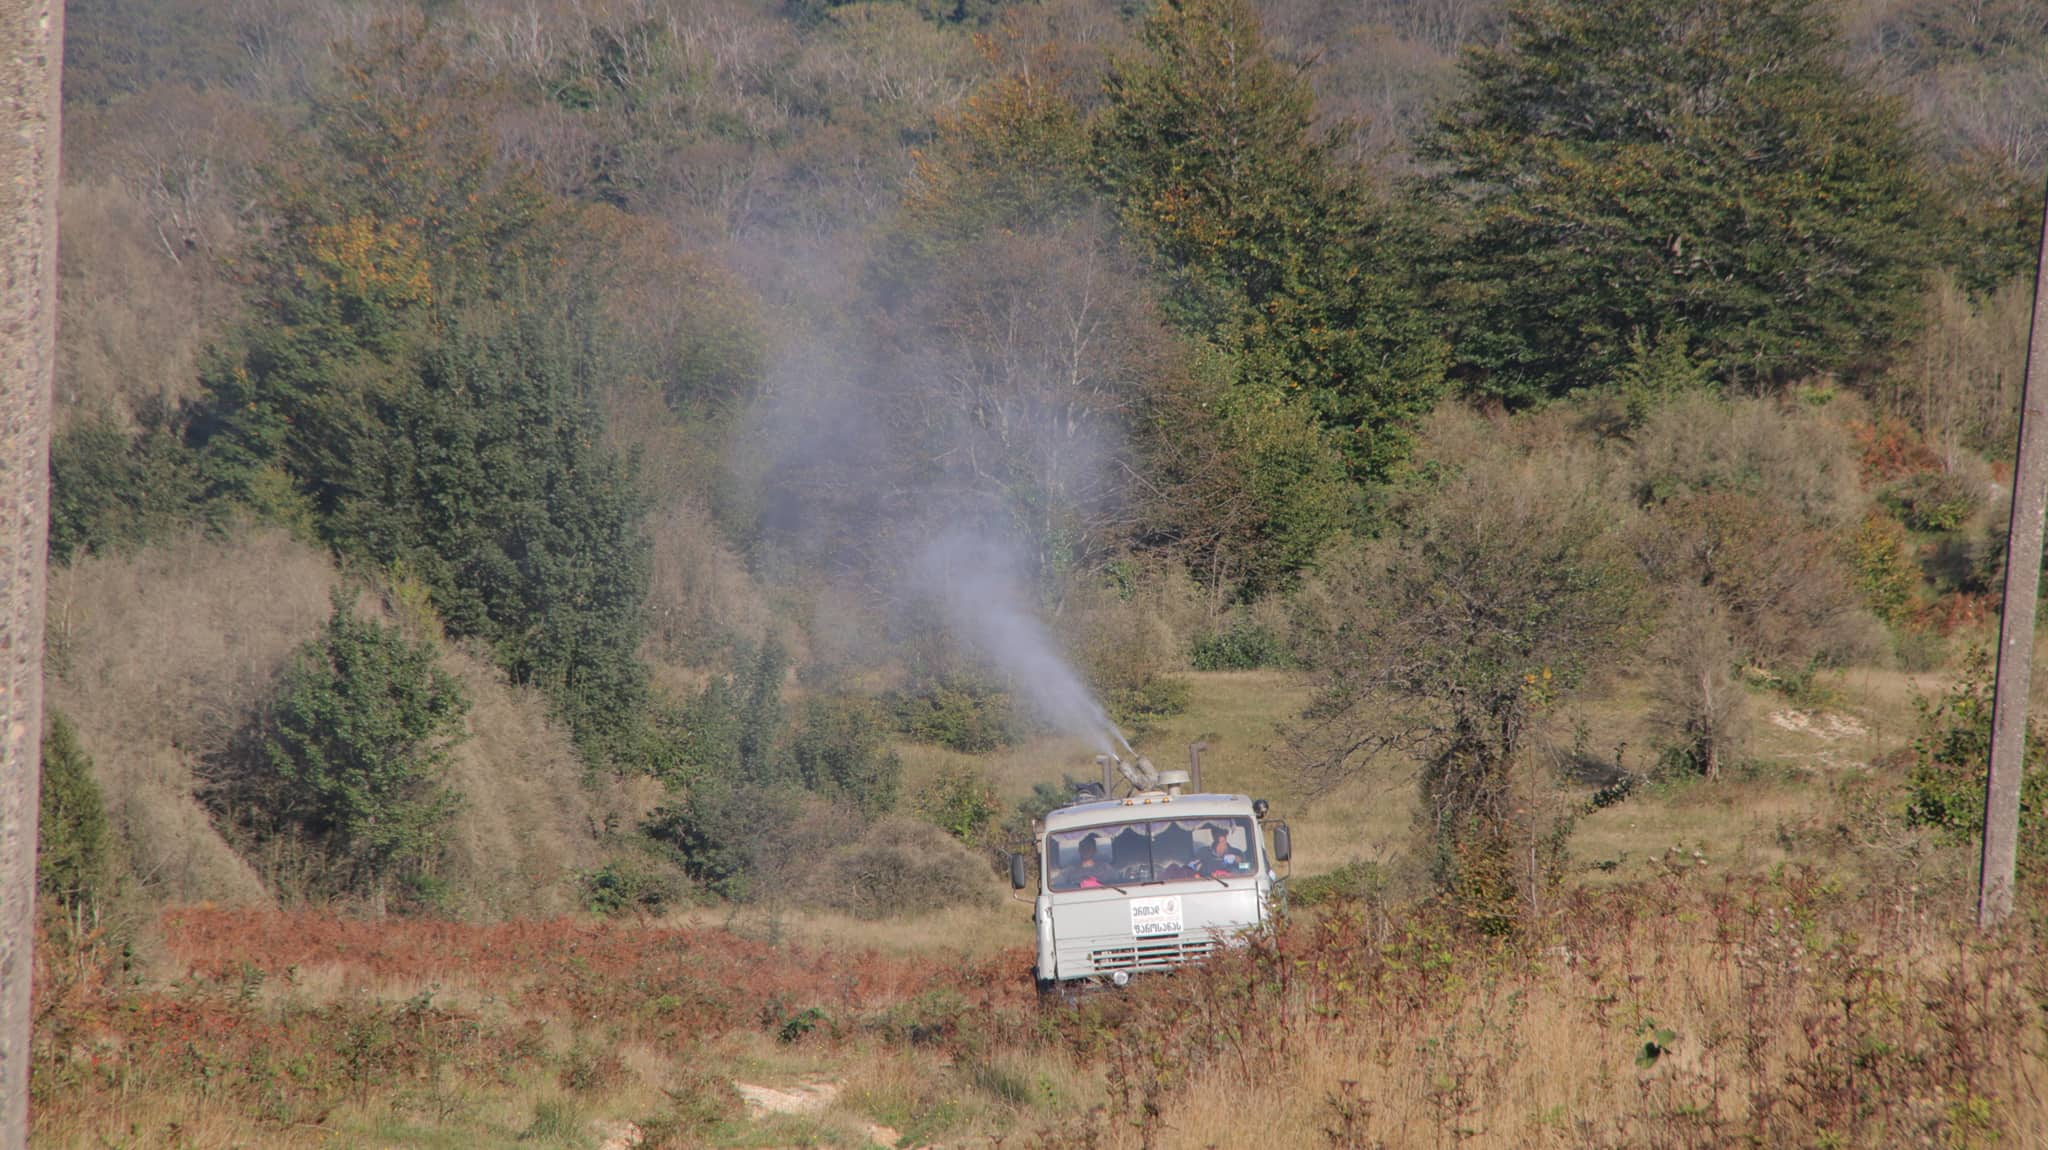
1155	917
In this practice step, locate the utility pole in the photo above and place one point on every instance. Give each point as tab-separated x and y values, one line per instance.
2016	619
31	54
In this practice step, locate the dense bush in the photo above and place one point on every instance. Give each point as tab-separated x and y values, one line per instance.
110	488
897	866
1934	500
779	844
961	801
964	715
736	840
838	752
1137	705
1242	646
1885	571
1952	756
1357	879
733	729
630	884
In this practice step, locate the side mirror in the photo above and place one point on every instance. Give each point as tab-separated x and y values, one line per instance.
1020	872
1283	844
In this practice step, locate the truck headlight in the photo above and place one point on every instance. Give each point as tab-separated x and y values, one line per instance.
1120	978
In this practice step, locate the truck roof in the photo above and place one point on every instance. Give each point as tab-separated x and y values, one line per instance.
1146	805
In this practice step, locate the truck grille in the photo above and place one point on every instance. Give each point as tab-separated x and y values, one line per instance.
1147	955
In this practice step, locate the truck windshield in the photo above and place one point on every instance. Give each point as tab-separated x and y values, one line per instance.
1169	850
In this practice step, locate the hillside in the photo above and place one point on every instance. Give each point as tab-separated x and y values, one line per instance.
585	533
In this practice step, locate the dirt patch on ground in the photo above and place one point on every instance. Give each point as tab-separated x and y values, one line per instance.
1826	725
806	1098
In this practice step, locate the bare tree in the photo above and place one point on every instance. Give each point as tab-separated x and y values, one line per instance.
1695	700
1450	639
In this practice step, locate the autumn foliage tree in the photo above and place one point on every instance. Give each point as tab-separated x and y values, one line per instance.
419	388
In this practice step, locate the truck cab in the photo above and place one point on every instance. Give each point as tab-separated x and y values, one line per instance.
1148	882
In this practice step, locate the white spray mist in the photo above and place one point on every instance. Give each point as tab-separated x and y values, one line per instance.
975	581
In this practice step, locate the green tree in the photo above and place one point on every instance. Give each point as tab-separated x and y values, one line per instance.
1645	167
1264	241
354	746
839	751
74	848
758	748
110	488
483	471
419	386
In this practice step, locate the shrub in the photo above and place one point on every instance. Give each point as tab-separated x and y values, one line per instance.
1155	697
1243	646
898	866
964	715
1885	571
1933	500
74	851
1358	879
1951	758
698	1099
1799	460
960	801
730	837
627	884
838	753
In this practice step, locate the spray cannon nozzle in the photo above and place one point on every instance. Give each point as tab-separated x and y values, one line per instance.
1141	774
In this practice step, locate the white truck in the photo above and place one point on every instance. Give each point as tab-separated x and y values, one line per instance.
1149	881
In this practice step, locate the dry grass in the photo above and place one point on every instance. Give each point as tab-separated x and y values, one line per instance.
157	658
699	592
977	931
1783	1017
529	820
160	656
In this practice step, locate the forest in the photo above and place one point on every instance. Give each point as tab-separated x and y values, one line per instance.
707	474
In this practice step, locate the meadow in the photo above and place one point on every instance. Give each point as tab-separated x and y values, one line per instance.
1771	960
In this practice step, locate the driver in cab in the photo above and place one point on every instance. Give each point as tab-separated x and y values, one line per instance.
1087	871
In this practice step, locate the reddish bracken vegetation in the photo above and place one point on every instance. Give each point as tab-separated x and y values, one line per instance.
1891	449
669	982
1687	1012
